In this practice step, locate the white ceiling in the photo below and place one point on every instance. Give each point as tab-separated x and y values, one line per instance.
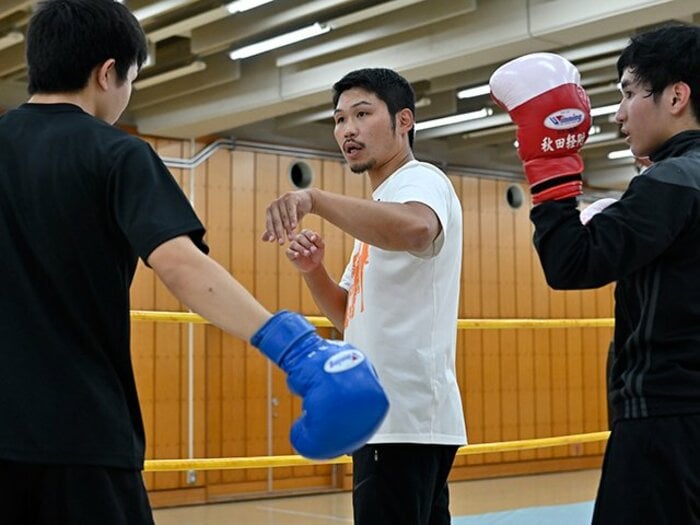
440	46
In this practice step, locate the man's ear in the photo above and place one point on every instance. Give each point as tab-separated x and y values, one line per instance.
103	71
680	97
405	120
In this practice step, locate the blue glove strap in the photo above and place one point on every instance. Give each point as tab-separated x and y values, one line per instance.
280	333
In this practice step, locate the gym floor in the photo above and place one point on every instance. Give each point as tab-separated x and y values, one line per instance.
468	498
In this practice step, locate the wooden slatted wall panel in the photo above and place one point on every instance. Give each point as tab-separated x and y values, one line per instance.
266	283
522	384
225	363
488	252
470	376
294	296
218	211
286	407
508	354
233	410
525	346
169	354
516	384
195	182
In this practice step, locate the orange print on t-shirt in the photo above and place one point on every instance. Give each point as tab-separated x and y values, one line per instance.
359	260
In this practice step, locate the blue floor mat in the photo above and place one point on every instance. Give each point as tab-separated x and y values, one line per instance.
571	514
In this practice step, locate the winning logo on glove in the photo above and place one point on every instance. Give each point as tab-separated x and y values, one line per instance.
343	361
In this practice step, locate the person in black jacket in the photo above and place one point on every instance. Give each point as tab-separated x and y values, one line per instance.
649	242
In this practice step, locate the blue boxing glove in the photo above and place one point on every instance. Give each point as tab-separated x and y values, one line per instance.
343	401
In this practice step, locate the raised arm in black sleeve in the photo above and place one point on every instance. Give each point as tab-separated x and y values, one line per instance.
649	218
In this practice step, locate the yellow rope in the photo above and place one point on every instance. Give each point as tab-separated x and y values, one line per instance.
156	465
159	465
462	324
504	324
167	317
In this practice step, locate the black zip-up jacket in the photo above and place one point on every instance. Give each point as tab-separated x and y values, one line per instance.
649	242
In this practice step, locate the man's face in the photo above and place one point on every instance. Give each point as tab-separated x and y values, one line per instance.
641	116
364	130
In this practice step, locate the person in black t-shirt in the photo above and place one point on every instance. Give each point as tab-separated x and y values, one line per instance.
648	241
80	202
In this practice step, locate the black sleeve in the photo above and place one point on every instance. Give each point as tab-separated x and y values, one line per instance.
624	237
148	204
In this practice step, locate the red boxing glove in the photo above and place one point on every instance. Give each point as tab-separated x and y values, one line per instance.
543	95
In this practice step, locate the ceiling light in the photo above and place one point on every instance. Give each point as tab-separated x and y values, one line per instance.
453	119
605	88
10	39
240	6
475	91
356	17
607	137
486	132
620	154
370	12
158	8
279	41
604	110
598	49
197	65
423	102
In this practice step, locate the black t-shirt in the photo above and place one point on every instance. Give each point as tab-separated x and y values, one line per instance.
80	201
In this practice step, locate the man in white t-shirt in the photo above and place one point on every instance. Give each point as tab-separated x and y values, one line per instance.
397	299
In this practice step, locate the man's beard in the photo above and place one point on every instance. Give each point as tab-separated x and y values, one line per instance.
361	168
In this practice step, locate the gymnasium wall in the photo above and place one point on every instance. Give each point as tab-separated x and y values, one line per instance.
516	384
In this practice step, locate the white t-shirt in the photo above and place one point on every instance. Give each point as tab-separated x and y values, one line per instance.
402	312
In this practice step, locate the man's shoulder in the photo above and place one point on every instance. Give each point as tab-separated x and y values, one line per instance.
683	171
421	166
420	172
432	167
428	175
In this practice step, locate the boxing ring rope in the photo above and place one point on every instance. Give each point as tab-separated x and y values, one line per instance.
161	465
462	324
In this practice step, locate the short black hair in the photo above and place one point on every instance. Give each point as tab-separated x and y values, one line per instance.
665	55
390	87
67	39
